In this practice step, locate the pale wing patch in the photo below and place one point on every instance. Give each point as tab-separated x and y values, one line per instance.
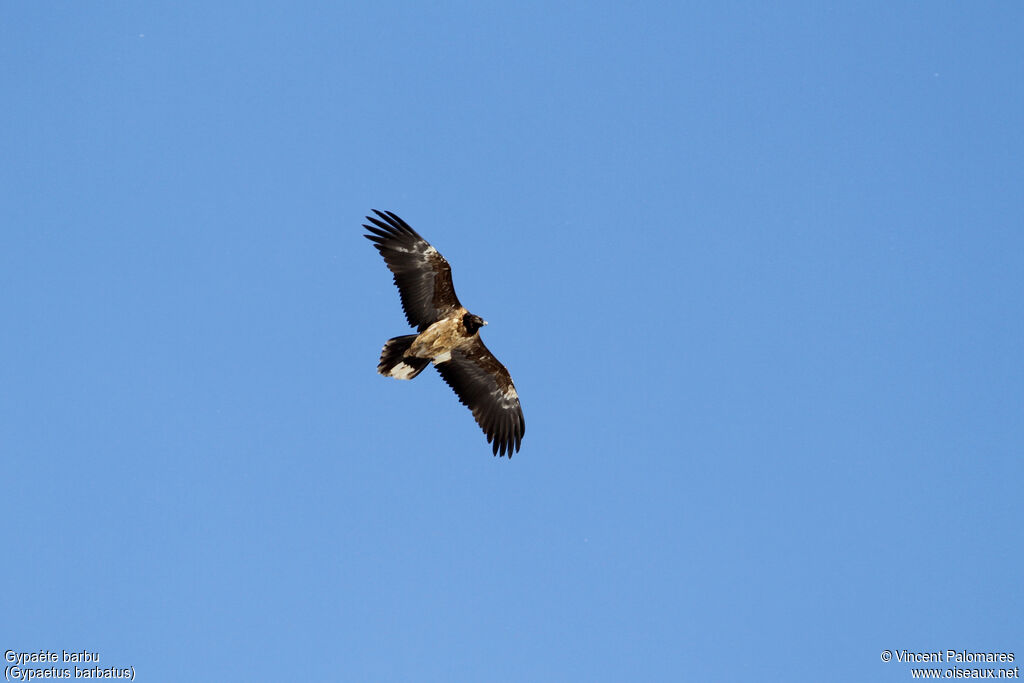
443	357
402	371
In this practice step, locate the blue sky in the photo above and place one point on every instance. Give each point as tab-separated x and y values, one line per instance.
756	270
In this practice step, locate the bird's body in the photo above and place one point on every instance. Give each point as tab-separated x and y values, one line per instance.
437	341
448	335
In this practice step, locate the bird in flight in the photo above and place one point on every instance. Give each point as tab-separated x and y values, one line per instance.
447	334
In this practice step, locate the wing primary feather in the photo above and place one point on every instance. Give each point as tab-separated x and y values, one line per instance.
503	435
388	228
379	237
401	223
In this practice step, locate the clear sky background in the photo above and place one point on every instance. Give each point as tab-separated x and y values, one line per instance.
756	268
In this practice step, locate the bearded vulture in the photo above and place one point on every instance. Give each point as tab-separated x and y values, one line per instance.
447	334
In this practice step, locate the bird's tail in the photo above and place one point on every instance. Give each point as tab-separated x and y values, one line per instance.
393	362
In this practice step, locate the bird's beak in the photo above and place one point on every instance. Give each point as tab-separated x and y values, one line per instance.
485	322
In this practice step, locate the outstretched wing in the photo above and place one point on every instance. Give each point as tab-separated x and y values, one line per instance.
485	387
423	277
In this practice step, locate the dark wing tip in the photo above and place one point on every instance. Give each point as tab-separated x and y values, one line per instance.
506	434
393	223
390	225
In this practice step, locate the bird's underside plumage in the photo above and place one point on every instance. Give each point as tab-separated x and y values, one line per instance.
448	335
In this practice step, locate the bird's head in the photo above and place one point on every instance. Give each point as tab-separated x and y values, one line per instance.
473	322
